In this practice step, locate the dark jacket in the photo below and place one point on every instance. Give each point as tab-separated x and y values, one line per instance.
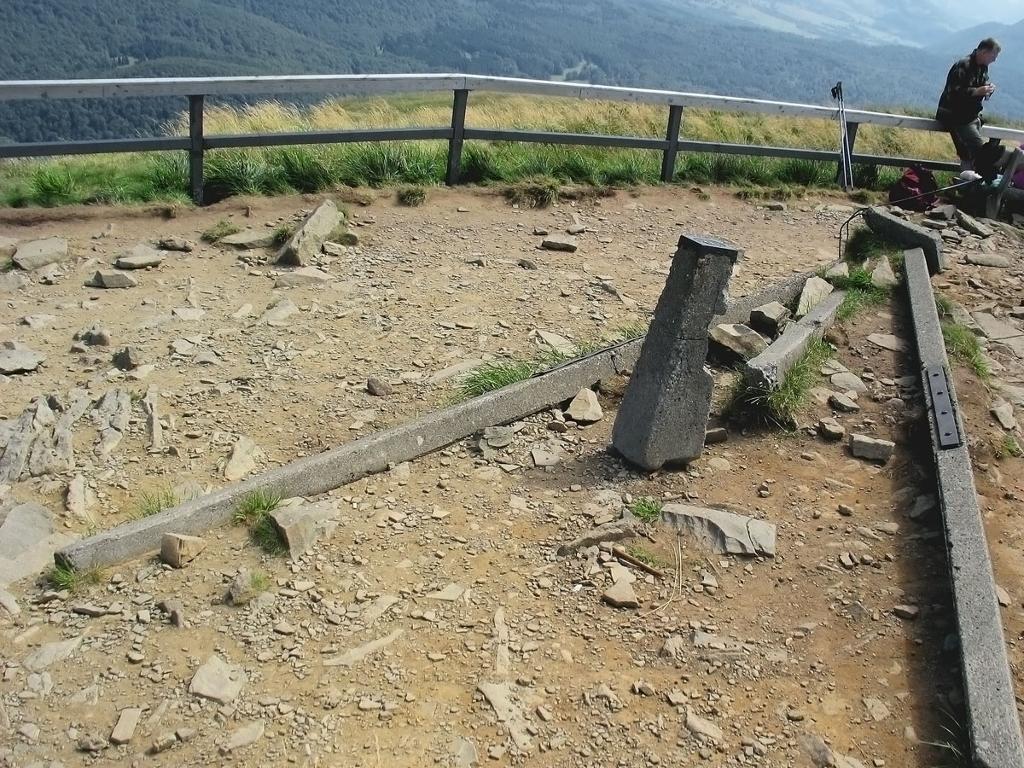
956	105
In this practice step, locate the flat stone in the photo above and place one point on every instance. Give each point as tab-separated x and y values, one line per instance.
838	270
908	612
847	381
37	322
543	457
12	282
177	550
558	343
508	712
95	336
17	358
981	259
242	460
814	292
974	226
703	730
188	314
615	531
315	230
249	239
888	341
1003	597
870	448
356	655
876	709
218	681
995	328
740	340
49	654
379	387
942	213
140	257
882	275
243	737
127	722
104	279
770	317
651	428
1003	413
560	243
585	407
843	403
278	313
830	429
301	527
28	537
40	253
9	604
449	594
176	244
721	531
8	247
464	753
302	277
621	595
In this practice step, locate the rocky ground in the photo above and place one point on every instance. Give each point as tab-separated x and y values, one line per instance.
439	624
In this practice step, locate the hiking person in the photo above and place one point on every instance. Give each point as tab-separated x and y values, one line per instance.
960	106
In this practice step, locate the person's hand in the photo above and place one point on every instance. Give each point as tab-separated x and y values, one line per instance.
985	90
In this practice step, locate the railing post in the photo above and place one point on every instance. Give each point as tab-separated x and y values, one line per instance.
851	137
195	150
451	177
668	160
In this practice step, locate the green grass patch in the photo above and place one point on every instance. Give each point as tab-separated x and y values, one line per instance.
643	555
861	293
411	196
67	579
220	230
781	405
154	502
495	375
646	509
535	193
254	513
865	244
633	331
259	581
1008	447
964	347
282	234
266	536
943	306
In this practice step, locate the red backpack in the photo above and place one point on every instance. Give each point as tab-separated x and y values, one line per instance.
915	191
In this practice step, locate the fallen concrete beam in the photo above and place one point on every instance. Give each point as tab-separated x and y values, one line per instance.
326	471
907	234
768	370
991	706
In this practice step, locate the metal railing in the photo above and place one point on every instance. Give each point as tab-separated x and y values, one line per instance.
456	133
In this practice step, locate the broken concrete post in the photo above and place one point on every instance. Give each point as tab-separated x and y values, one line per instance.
907	234
768	370
665	410
177	550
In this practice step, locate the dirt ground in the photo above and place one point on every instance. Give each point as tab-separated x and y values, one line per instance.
784	655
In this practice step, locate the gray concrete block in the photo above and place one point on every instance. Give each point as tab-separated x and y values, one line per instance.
768	370
907	234
375	453
993	723
664	412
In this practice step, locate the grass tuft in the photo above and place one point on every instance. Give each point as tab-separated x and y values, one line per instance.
964	347
411	196
633	331
943	306
646	509
256	506
861	293
1007	447
780	406
534	193
220	230
495	375
154	502
283	234
643	555
266	536
259	581
67	579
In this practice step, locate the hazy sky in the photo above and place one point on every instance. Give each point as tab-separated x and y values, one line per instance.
983	10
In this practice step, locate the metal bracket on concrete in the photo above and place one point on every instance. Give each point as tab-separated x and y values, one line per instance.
947	430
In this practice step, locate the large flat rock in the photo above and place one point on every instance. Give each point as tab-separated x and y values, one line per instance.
721	531
40	253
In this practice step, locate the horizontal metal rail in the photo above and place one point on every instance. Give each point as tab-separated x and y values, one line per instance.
196	89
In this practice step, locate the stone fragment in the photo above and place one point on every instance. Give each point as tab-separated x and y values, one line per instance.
973	226
176	244
218	681
560	243
585	407
981	259
838	270
888	341
738	340
379	387
723	532
104	279
304	276
830	429
847	381
312	233
249	239
770	317
40	253
95	336
508	712
870	448
17	358
843	403
140	257
621	595
243	737
355	655
177	549
49	654
814	292
1003	413
610	532
882	275
279	312
908	612
702	730
242	589
242	460
127	722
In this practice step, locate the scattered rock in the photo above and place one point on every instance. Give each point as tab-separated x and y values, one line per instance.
96	336
379	387
499	696
888	341
242	590
814	292
300	527
175	611
770	317
302	277
721	531
218	681
559	344
12	282
315	230
546	457
277	314
127	722
17	358
830	429
585	407
176	244
702	730
1003	597
177	549
127	359
111	280
51	653
882	275
1003	413
140	257
839	270
974	226
243	737
242	460
740	340
847	381
40	253
249	239
610	532
981	259
621	595
449	594
842	403
870	448
560	243
908	612
354	656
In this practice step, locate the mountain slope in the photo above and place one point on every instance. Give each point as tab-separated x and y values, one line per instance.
1011	36
653	43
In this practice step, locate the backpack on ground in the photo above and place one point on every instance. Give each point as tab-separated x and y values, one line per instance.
915	191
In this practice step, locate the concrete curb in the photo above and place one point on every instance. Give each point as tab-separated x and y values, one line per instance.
991	705
908	235
768	370
337	467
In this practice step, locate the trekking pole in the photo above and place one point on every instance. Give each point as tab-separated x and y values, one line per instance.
846	155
